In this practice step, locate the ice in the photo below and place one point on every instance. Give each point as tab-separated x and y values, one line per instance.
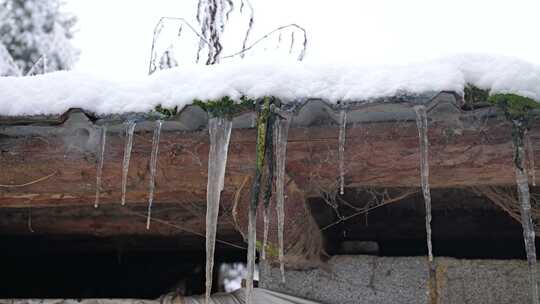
281	134
153	166
220	133
342	135
524	196
130	128
530	158
251	255
100	159
266	222
422	124
55	93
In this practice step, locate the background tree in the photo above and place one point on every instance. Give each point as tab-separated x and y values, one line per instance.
34	30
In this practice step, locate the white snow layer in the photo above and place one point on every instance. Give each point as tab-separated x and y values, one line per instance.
57	92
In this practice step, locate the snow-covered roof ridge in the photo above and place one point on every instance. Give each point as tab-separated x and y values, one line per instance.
55	93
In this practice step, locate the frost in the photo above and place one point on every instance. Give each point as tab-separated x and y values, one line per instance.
281	134
219	129
130	128
153	166
422	125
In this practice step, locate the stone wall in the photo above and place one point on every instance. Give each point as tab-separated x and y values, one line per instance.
374	280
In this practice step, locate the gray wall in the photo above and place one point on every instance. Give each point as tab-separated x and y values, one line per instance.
370	280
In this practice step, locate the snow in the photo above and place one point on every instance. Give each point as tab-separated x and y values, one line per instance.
57	92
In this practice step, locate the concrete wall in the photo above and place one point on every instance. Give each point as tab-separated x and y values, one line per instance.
370	280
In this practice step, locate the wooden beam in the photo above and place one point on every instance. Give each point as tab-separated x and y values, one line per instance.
51	170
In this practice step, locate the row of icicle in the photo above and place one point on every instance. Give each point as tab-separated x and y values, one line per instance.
220	131
130	128
521	143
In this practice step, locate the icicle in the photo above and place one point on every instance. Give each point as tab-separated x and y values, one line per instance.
270	159
130	128
530	157
527	224
251	255
153	167
266	222
263	111
342	133
421	123
220	133
101	156
281	134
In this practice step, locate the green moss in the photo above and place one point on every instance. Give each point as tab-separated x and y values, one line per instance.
262	124
475	95
263	114
515	107
271	251
225	107
518	110
167	112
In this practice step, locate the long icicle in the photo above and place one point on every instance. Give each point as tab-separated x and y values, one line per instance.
281	134
341	151
100	160
522	182
219	129
266	223
130	128
269	181
422	125
530	158
153	168
262	125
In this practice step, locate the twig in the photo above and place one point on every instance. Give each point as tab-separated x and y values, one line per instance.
29	183
300	56
166	223
30	220
157	30
393	200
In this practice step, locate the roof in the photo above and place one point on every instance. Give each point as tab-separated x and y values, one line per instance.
56	93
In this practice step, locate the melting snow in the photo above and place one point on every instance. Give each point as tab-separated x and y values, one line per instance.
57	92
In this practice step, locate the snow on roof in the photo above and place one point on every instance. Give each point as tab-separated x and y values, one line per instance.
57	92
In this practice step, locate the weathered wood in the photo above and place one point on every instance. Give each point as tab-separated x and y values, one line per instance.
376	154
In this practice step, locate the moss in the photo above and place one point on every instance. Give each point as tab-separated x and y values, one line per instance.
167	112
518	110
262	124
515	107
271	251
226	106
475	95
263	114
